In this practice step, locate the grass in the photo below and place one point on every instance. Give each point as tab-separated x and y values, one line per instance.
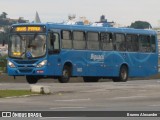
11	93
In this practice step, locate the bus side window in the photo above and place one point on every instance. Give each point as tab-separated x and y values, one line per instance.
132	43
107	41
66	39
50	42
56	41
93	41
79	41
144	43
120	42
153	44
53	42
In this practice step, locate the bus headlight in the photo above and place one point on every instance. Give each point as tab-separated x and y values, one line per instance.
10	64
41	64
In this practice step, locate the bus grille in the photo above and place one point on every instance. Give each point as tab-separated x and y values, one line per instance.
25	70
25	62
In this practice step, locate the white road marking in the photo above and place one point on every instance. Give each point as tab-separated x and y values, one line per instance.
73	100
67	108
10	97
93	91
129	97
154	105
23	96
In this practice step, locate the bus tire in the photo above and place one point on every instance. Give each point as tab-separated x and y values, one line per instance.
31	79
66	73
90	79
123	74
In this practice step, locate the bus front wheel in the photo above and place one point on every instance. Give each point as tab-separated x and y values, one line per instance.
123	74
66	73
31	79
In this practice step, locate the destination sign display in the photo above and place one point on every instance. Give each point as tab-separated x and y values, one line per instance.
28	29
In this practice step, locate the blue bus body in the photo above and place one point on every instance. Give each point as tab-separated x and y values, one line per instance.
90	63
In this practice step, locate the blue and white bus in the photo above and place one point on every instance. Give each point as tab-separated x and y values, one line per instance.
92	52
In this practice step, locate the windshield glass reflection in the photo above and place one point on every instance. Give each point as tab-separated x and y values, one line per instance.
27	46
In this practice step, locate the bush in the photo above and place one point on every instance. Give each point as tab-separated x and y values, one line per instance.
3	63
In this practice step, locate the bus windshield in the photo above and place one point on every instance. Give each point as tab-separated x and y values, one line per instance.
27	46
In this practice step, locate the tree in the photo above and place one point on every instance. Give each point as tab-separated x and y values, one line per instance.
141	25
21	20
3	15
71	17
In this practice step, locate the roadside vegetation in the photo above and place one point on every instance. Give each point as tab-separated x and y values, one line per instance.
3	64
15	93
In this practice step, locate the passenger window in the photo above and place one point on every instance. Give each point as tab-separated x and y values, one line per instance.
144	43
132	43
66	39
120	42
79	40
93	41
106	41
153	44
66	35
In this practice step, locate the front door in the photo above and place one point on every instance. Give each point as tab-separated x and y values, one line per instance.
54	60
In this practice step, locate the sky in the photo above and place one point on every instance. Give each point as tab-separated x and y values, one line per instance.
123	12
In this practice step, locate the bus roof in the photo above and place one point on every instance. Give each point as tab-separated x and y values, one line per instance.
91	28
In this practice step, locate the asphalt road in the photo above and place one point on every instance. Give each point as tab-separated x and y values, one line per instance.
135	95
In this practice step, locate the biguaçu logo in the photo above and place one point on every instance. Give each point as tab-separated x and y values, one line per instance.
97	57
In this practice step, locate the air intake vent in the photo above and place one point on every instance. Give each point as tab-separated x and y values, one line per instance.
25	62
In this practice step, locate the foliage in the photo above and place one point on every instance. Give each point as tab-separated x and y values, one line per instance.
3	63
11	93
3	15
5	24
7	21
3	38
141	25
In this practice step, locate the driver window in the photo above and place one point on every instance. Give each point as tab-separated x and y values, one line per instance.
50	45
53	41
56	41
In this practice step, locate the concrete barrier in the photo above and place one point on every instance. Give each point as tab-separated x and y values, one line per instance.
40	89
